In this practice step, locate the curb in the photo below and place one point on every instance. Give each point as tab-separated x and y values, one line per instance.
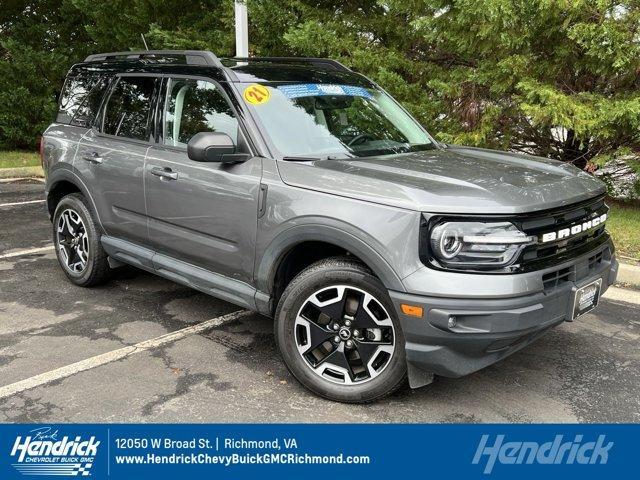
629	275
22	172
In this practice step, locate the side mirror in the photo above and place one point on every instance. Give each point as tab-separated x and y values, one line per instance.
213	147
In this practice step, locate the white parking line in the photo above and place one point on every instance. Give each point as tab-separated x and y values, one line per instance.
29	251
27	202
114	355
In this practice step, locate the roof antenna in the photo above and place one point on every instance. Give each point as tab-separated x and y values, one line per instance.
145	42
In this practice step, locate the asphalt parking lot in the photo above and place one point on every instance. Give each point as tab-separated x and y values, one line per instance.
69	354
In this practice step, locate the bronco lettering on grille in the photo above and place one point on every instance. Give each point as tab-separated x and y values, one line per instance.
574	229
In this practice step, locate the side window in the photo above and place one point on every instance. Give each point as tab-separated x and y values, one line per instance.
194	106
87	111
128	111
74	93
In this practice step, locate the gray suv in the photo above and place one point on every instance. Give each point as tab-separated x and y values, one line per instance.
298	188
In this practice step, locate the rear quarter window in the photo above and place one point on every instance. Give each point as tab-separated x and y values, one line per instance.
86	113
80	98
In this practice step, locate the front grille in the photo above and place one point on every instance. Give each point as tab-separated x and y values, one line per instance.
595	260
576	272
541	255
552	279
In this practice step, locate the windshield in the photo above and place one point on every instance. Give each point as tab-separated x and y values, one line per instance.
333	121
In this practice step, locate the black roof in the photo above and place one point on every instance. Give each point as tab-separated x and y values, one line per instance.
189	57
204	63
299	70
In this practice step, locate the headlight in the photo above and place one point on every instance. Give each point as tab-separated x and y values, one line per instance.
477	244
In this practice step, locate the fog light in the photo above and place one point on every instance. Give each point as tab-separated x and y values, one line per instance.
411	310
452	322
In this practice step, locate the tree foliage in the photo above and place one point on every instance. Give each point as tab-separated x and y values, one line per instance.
556	78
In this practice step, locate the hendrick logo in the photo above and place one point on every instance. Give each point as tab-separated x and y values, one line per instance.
45	452
555	452
574	229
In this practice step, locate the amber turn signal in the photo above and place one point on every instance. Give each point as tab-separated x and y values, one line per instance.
411	310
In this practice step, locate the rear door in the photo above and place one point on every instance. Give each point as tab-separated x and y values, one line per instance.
201	213
111	156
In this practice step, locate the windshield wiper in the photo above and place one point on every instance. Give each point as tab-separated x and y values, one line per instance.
313	159
302	159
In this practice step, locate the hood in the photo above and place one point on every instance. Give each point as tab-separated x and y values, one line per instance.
451	180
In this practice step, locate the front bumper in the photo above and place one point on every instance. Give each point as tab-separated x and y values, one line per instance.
489	329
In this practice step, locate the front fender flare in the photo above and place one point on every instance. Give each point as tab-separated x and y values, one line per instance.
287	239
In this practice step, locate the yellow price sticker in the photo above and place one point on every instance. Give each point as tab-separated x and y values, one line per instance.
256	94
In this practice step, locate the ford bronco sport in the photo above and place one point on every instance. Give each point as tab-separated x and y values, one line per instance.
298	188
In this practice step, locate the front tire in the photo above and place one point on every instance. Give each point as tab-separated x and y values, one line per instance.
76	239
338	333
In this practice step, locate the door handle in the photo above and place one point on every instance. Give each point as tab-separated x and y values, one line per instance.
164	173
93	158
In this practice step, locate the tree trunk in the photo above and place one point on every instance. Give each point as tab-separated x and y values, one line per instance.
575	150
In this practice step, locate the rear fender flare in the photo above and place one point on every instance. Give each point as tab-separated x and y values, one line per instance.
66	175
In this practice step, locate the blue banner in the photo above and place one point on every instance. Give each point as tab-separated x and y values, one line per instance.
318	451
322	89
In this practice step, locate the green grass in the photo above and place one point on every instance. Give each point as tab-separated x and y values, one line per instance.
624	226
17	159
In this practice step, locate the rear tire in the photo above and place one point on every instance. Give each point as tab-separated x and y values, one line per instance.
331	343
76	238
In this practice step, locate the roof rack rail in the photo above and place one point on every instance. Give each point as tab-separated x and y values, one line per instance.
192	57
310	60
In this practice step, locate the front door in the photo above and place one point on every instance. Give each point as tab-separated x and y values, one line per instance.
201	213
